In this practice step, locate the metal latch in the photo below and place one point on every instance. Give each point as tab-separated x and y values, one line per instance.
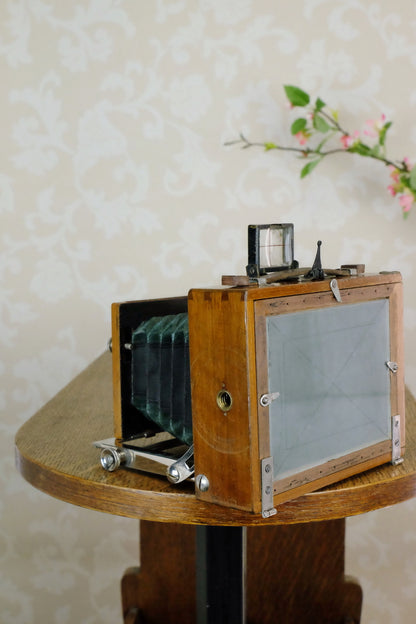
266	399
333	284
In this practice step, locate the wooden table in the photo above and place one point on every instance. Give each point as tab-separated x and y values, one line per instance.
294	561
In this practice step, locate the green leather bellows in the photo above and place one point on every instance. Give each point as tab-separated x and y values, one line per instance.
161	386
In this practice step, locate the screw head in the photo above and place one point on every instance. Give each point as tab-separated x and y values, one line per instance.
110	459
173	474
202	482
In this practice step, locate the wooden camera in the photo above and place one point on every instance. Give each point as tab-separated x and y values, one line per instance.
278	383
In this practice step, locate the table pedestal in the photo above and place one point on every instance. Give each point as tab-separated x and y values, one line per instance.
293	575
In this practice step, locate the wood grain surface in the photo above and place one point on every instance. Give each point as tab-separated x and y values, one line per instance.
294	574
54	453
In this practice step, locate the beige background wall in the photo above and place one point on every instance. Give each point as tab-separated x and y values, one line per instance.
115	184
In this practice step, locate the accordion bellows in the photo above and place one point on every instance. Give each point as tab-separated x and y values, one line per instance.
161	385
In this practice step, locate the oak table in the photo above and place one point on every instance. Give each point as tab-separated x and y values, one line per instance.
201	562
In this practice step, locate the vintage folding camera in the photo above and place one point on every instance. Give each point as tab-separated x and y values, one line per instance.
272	385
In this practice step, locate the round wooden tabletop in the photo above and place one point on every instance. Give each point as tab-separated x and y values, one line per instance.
55	453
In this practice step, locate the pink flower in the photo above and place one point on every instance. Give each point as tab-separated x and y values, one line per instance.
374	126
369	130
348	140
392	190
406	202
302	137
394	174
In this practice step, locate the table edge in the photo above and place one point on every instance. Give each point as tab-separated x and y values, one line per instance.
179	507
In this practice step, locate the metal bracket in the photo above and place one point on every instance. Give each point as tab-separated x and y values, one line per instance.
175	468
395	441
267	508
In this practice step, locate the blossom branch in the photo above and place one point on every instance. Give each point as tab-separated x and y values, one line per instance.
321	123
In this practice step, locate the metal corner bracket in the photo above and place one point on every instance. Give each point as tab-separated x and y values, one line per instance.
396	451
267	509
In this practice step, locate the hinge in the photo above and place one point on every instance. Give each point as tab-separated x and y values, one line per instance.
267	508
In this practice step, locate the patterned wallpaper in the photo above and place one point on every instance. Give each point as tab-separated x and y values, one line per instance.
115	183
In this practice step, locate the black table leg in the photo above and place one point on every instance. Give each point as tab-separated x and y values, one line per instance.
220	574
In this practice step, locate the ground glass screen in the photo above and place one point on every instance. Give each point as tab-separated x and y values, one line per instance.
329	366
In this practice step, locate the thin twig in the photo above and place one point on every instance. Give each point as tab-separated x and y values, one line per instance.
308	152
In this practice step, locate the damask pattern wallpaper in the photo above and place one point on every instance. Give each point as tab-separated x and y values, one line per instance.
115	184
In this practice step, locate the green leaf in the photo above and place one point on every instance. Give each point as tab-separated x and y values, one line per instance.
375	151
296	96
307	169
298	125
405	180
270	146
412	178
319	104
320	124
383	132
360	148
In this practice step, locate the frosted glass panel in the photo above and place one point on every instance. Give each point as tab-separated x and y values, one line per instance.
329	366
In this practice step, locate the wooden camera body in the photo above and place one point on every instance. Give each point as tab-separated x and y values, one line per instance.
292	386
